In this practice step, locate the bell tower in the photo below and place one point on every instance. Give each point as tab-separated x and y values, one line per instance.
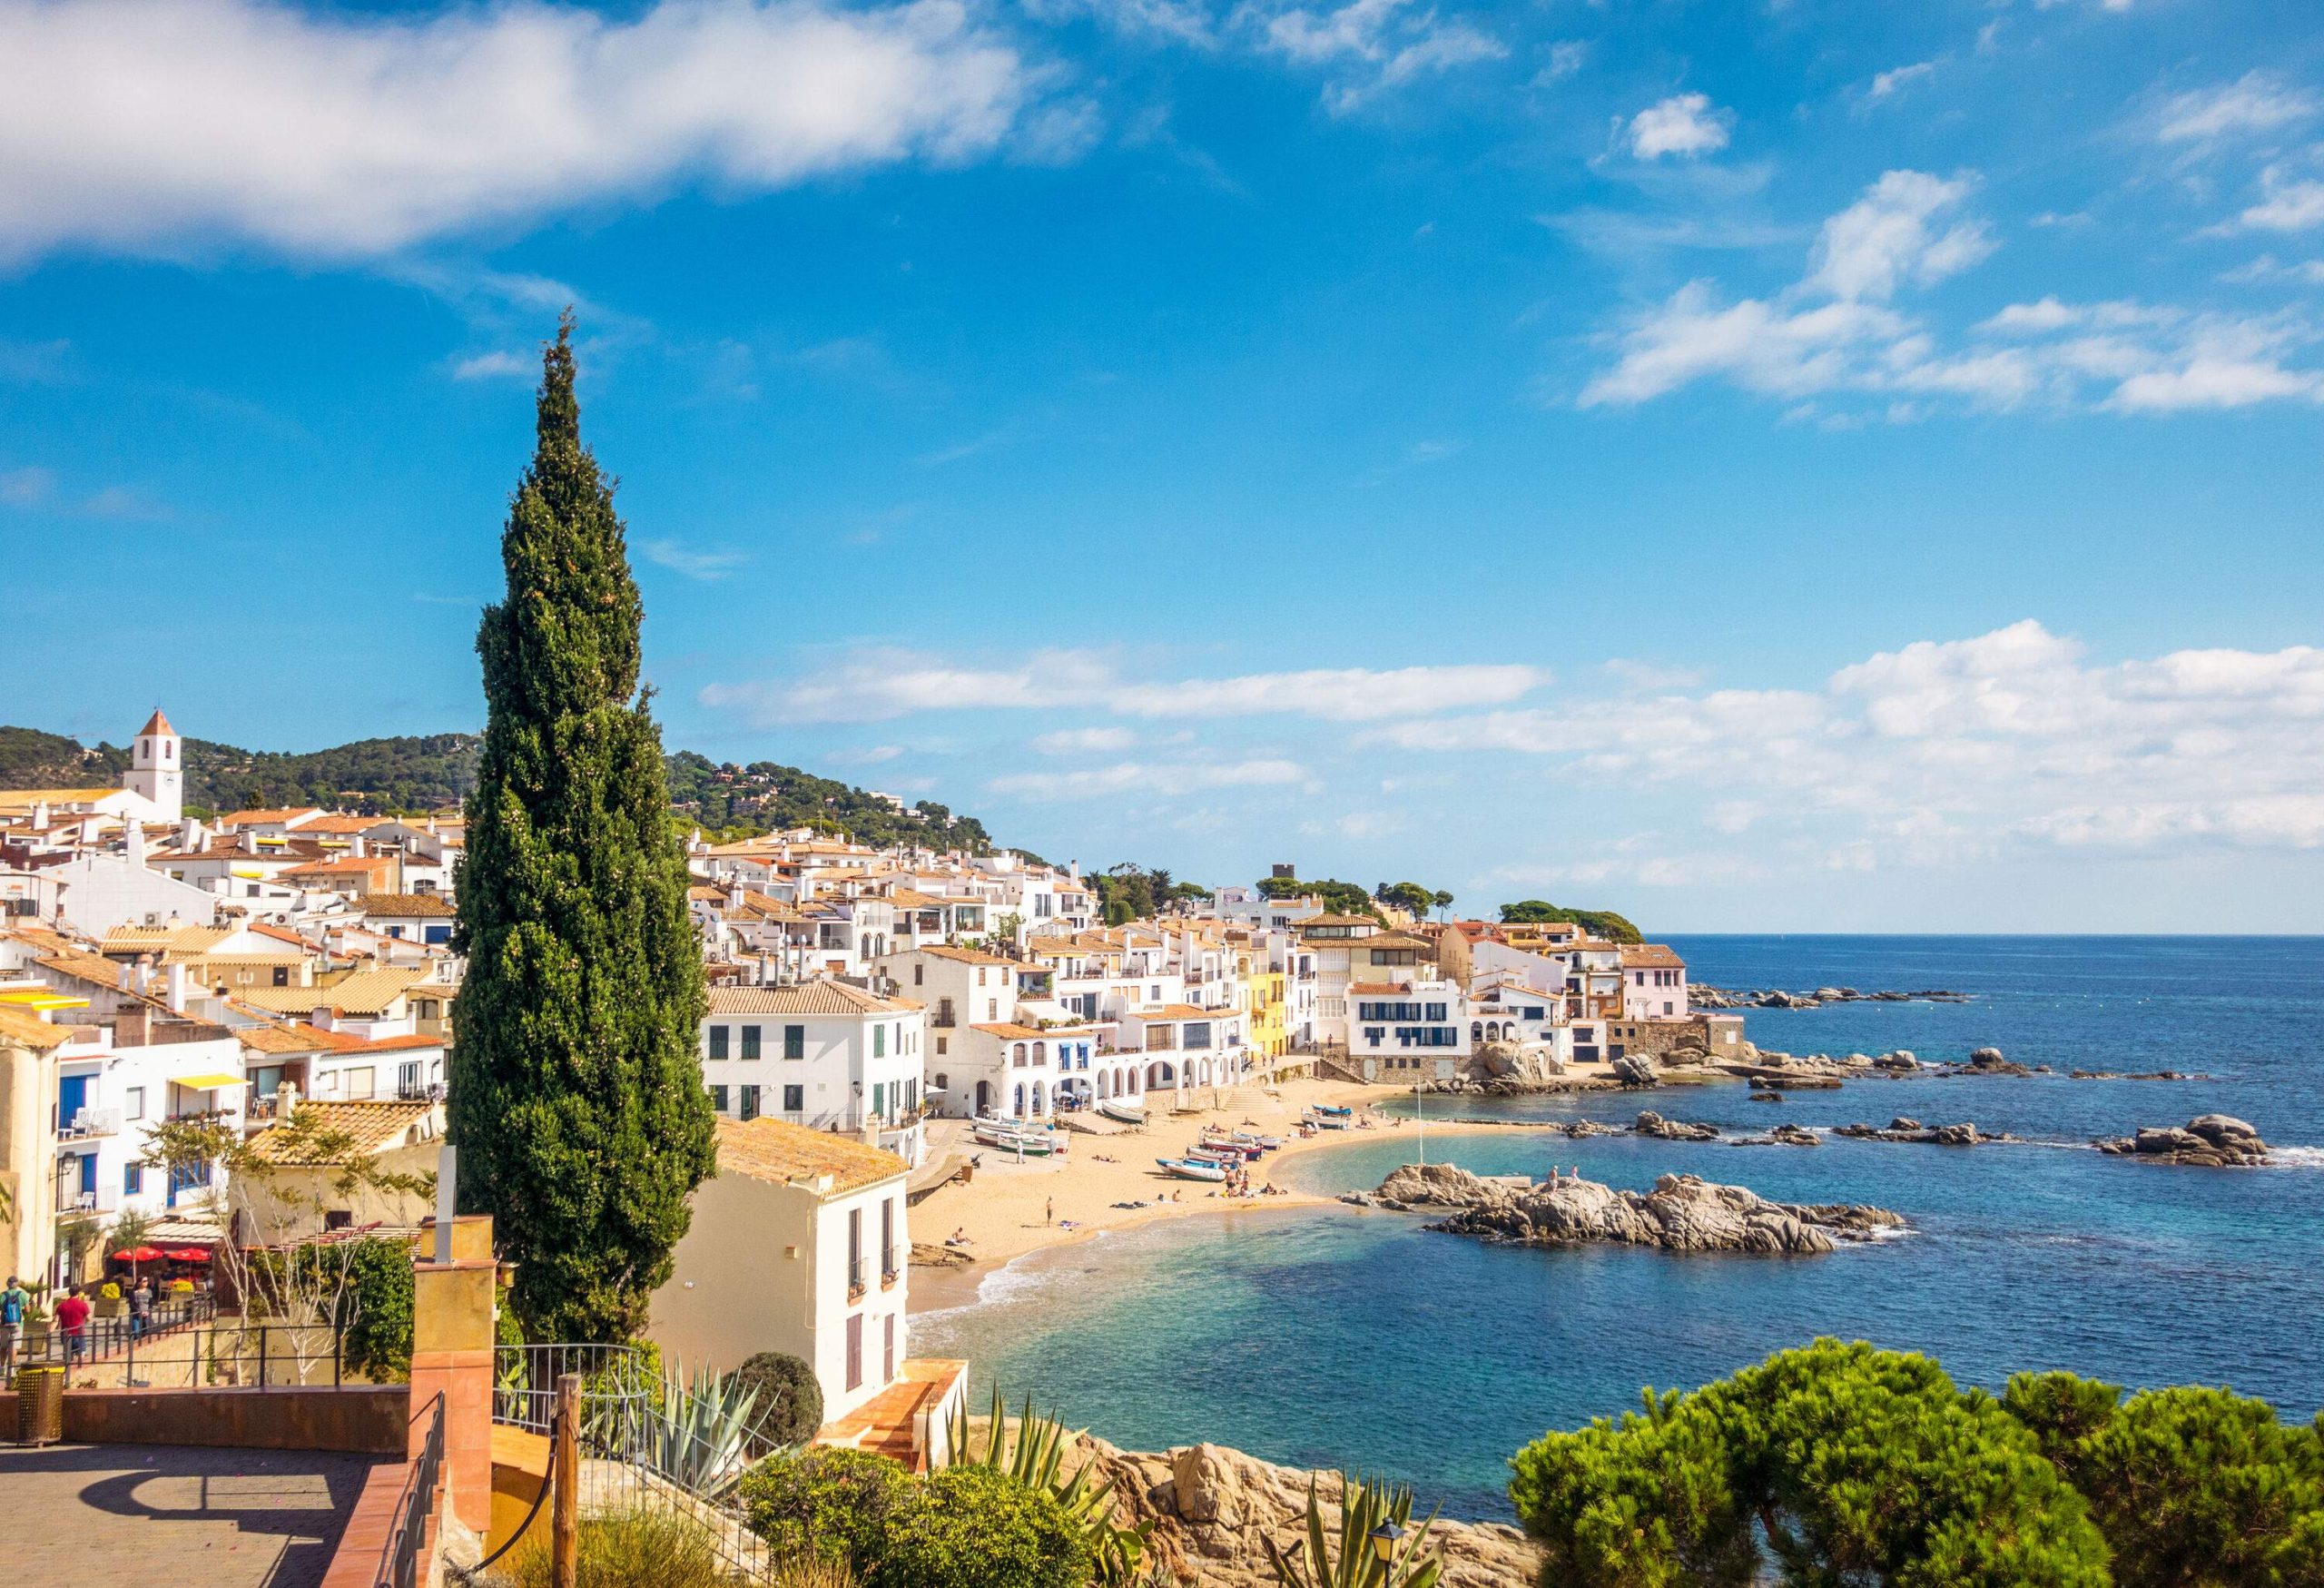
157	768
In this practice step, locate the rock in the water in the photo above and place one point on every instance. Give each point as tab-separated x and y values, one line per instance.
1650	1123
2207	1141
1633	1069
1581	1128
1986	1056
1767	1097
1683	1213
1900	1059
1900	1129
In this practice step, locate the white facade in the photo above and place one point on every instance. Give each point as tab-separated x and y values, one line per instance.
820	1054
1400	1032
157	770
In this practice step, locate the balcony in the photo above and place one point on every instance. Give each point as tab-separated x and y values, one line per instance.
87	1123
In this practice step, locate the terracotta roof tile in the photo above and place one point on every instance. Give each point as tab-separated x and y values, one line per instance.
780	1153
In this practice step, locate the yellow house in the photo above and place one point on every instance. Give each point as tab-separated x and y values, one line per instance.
1264	997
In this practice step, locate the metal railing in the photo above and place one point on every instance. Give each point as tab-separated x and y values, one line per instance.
405	1551
188	1349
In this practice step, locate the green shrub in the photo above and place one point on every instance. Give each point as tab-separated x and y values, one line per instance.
827	1503
2189	1485
790	1402
635	1548
1846	1464
978	1527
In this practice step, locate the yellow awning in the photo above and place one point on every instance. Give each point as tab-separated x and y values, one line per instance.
41	998
206	1083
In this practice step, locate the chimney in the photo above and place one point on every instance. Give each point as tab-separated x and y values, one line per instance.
132	840
250	841
175	997
355	846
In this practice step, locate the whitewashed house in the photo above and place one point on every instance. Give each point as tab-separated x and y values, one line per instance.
820	1054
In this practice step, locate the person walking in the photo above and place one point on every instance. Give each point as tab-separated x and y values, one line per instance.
15	1301
1049	1210
72	1322
141	1308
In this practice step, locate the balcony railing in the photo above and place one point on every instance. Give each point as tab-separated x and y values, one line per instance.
88	1122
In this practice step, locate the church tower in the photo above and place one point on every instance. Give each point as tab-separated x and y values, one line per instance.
157	768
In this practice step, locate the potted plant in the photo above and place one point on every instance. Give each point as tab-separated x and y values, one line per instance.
109	1303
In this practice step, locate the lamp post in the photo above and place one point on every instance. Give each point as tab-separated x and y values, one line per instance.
1385	1540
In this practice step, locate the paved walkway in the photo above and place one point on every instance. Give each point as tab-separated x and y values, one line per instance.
175	1514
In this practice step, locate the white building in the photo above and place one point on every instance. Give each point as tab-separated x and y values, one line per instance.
1654	983
1400	1032
823	1054
801	1244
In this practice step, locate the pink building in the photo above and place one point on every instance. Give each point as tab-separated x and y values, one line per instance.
1654	983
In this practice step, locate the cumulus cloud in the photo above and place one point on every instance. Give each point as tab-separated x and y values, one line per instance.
1943	747
1841	330
150	126
1085	741
1685	124
1135	779
695	562
1898	78
874	684
2287	203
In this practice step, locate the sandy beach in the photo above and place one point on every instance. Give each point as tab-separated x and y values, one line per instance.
1010	1209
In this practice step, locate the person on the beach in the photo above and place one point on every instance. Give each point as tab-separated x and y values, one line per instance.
1049	1210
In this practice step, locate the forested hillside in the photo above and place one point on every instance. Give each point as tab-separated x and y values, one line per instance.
435	771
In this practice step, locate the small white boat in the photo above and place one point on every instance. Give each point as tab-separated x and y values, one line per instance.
1225	1146
1122	1113
1339	1110
1192	1169
1328	1122
1032	1144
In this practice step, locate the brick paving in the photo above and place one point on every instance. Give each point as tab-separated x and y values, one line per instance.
222	1518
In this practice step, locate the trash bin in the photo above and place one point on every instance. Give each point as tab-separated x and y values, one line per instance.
40	1406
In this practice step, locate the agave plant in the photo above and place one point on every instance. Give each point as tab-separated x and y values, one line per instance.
1354	1561
1033	1452
698	1436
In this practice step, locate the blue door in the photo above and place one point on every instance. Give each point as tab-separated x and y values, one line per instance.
89	1175
72	1097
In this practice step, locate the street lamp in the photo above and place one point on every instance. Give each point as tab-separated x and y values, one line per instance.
1385	1540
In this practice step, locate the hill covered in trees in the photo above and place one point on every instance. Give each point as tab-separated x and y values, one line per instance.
431	772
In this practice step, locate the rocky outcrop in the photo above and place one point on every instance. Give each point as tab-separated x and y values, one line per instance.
2208	1141
1682	1213
2147	1075
1900	1129
1989	1062
1633	1069
1783	1135
1650	1123
1701	996
927	1254
1211	1505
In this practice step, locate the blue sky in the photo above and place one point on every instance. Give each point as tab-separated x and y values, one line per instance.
1760	466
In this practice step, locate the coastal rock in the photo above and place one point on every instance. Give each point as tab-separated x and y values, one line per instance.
2149	1075
1985	1058
927	1254
1901	1059
1631	1070
1211	1505
2206	1141
1783	1135
1766	1096
1650	1123
1682	1213
1900	1129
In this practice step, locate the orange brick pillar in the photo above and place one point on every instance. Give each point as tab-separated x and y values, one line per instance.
451	1355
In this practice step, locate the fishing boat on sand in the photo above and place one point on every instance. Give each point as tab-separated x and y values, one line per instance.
1122	1113
1017	1138
1192	1169
1335	1110
1323	1122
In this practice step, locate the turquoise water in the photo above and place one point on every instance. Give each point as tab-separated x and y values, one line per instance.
1358	1338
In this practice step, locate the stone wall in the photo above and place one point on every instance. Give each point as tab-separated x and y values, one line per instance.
1720	1037
365	1420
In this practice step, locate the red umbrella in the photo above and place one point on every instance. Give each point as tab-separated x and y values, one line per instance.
186	1254
143	1254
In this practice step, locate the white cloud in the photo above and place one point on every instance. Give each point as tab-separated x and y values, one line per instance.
1685	124
1084	742
694	562
1900	77
148	126
873	685
24	487
1371	46
1886	238
1136	779
494	366
2258	102
1567	57
2288	205
1945	749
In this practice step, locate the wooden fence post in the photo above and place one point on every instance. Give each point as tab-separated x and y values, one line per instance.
564	1473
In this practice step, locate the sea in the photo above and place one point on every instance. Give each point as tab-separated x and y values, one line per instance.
1357	1339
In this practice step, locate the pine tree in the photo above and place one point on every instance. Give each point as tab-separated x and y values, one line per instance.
576	1100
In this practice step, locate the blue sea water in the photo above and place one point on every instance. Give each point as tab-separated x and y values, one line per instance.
1357	1338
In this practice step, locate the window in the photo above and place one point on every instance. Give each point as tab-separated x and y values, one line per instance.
133	1105
750	1041
940	1045
795	1099
718	1041
855	1351
879	1042
750	1102
854	1257
918	975
887	1351
879	1099
1395	956
718	1099
358	1083
282	975
133	1180
944	1013
795	1041
887	1242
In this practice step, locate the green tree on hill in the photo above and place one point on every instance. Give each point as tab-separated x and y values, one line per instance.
1599	923
1337	898
577	1103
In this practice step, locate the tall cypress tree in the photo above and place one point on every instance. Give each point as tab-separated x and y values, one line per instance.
576	1100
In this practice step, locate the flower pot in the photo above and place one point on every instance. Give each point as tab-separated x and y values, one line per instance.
110	1306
